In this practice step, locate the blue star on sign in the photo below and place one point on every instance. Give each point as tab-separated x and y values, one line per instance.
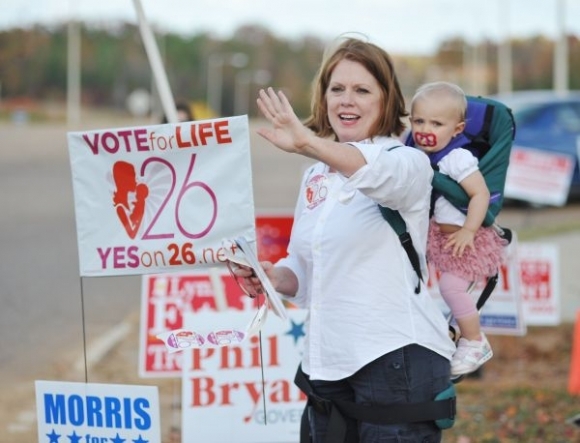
53	436
140	440
296	331
74	438
118	439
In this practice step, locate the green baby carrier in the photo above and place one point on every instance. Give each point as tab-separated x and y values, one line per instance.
489	133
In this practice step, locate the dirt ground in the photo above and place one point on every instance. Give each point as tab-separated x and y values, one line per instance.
521	395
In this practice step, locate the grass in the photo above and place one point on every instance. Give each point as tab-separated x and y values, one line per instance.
522	395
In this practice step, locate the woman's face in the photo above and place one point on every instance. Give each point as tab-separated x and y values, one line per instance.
353	100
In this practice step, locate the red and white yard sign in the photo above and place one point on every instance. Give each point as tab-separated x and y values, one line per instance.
540	283
161	198
538	176
166	298
527	291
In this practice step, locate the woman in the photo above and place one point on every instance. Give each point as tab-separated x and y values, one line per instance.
370	338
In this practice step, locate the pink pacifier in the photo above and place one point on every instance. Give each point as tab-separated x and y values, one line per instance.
425	139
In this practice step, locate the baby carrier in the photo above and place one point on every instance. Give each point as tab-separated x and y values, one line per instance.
488	134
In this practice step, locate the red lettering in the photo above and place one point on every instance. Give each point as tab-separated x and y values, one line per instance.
103	254
201	133
118	257
204	392
199	355
193	135
504	277
125	136
226	389
254	391
114	146
205	131
273	351
158	359
133	261
92	144
180	142
273	343
222	133
233	357
280	392
112	142
233	351
202	387
141	139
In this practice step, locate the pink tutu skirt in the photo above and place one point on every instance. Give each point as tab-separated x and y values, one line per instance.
481	261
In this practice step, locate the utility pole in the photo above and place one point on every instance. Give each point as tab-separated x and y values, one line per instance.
504	56
156	64
73	79
561	51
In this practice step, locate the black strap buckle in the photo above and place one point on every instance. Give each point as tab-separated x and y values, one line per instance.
405	238
320	404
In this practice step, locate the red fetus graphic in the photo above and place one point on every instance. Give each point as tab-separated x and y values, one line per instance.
129	197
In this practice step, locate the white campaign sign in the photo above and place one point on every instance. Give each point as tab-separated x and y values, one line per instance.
161	198
540	283
222	389
527	291
538	176
96	413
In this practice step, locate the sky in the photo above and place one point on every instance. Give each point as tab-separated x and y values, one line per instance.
399	26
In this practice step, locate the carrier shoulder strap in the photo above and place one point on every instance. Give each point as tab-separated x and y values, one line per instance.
394	218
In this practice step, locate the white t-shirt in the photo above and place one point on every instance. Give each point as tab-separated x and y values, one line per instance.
458	164
354	276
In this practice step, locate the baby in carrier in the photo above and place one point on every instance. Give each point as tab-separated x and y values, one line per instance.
458	246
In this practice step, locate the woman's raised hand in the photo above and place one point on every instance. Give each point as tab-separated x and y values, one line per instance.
287	132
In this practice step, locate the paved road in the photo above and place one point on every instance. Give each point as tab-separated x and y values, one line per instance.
45	306
40	290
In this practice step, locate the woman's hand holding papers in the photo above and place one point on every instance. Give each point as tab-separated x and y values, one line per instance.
246	277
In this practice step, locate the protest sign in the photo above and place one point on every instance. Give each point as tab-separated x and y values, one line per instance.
160	198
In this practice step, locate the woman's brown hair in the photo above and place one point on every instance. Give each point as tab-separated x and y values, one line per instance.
379	64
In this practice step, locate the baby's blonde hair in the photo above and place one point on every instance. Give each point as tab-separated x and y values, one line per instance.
454	92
